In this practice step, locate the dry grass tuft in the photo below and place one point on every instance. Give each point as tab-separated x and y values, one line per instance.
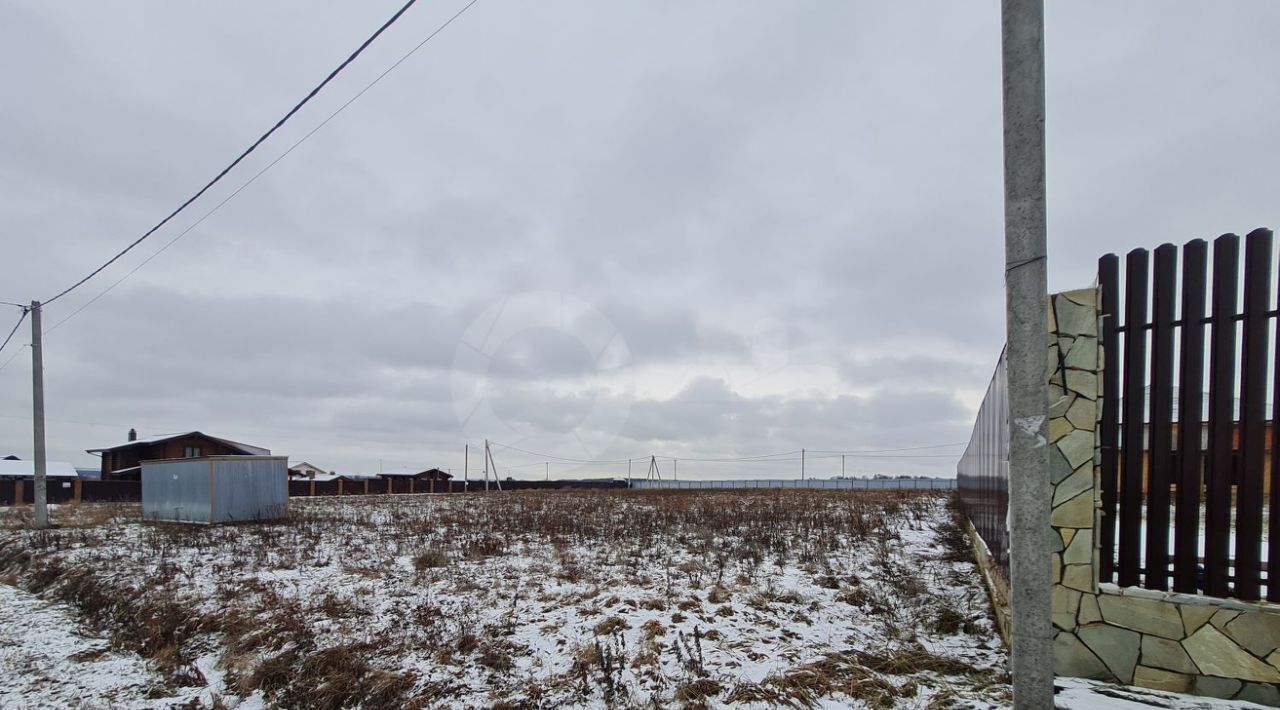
699	690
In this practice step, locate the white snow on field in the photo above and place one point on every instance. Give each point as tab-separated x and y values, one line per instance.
582	599
553	599
1080	694
47	661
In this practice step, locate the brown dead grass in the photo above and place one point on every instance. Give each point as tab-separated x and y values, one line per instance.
273	644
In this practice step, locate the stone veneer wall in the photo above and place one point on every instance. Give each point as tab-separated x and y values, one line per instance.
1185	643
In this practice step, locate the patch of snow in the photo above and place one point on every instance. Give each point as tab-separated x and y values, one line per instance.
47	660
1082	694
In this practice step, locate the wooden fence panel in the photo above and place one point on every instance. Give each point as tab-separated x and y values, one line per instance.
110	491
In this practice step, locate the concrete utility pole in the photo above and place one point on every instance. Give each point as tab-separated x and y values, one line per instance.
1026	291
466	465
41	492
802	464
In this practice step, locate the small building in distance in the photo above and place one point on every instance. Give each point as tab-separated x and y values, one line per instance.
306	470
431	474
14	469
123	461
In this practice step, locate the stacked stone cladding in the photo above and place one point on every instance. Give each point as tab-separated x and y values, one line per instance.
1185	643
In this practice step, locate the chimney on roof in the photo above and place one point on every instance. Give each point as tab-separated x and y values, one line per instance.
133	435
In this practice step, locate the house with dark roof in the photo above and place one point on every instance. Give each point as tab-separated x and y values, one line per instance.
431	474
122	462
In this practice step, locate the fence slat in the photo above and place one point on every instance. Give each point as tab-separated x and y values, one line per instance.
1222	354
1160	440
1186	542
1253	392
1273	551
1131	427
1109	423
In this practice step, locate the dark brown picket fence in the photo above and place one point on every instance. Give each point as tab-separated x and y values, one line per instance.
1190	477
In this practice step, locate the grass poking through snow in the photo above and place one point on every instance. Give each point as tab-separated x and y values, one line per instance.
540	599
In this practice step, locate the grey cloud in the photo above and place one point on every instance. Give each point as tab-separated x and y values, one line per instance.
911	370
832	171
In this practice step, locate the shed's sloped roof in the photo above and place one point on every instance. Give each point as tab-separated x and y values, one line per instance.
244	448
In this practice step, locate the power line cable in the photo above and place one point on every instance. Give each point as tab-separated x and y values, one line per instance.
297	107
17	325
269	166
764	458
779	457
12	357
888	456
562	459
882	451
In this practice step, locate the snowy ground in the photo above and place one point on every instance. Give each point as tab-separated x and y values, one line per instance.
528	599
42	656
1079	694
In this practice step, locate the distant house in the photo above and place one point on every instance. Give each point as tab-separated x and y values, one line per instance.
13	469
122	462
306	470
431	474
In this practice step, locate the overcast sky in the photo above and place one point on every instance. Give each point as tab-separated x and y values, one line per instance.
594	229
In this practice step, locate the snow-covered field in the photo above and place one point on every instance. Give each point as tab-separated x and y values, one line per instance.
747	598
46	661
531	599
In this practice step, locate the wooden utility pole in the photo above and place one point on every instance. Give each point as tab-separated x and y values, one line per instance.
40	493
466	465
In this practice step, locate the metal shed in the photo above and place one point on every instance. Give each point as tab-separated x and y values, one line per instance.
215	489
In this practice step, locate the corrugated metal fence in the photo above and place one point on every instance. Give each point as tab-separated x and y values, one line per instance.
983	471
843	484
